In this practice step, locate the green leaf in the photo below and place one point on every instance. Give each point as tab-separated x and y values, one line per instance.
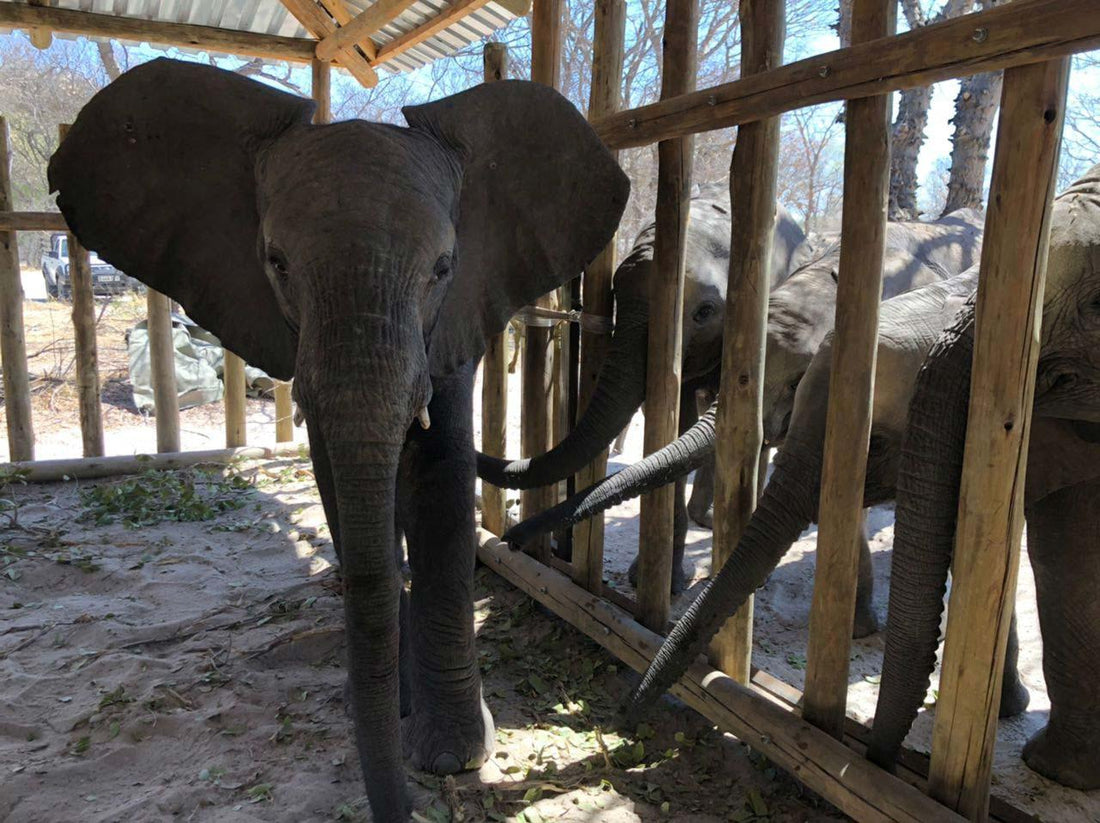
759	807
532	794
538	684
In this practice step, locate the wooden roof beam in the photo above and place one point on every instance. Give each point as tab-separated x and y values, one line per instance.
357	31
342	15
320	24
207	38
446	18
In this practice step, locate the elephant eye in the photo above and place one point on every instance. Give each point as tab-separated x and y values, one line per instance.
277	260
442	268
703	313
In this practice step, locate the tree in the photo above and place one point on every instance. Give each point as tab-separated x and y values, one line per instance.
907	134
975	108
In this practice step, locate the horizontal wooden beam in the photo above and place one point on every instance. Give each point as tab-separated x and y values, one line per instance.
843	777
448	17
31	220
207	38
356	31
1025	31
320	24
85	468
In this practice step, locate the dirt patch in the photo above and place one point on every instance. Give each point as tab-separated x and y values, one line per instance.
171	645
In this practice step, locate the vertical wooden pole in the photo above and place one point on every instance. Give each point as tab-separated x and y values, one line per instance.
234	380
163	366
537	409
494	366
321	91
1006	346
284	413
605	98
851	387
740	431
13	344
87	355
666	303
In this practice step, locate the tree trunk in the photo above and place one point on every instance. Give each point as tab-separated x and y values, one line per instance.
906	140
975	108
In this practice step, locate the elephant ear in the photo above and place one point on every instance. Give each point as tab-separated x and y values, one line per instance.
540	197
157	175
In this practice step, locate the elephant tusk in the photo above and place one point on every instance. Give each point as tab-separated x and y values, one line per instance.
422	416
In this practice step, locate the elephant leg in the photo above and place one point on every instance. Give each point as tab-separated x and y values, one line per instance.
450	728
865	623
1063	547
1014	694
700	506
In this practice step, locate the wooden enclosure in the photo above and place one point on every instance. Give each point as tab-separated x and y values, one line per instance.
1031	40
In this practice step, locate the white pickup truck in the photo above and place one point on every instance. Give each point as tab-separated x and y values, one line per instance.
106	279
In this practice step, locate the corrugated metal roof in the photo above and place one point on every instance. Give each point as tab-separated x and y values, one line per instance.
271	17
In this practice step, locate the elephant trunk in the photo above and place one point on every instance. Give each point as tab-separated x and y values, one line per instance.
619	392
361	453
929	474
787	507
684	454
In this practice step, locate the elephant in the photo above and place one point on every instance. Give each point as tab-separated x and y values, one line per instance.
621	383
370	262
1061	508
918	425
800	317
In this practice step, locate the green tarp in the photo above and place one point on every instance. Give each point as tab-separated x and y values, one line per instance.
199	363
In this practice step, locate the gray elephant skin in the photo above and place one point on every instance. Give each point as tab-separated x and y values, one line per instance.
801	311
621	383
918	428
370	262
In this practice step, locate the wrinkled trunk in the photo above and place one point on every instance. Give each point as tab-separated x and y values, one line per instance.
975	109
619	392
358	409
365	477
787	507
924	533
687	452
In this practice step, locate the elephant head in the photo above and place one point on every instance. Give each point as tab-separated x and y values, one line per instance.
802	309
1062	458
620	387
365	260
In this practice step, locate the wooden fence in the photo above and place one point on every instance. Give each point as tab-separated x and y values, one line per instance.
1032	41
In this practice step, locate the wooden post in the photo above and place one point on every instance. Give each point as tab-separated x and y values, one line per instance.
13	344
87	354
536	429
234	380
284	413
494	366
163	366
1006	346
851	387
605	99
321	91
740	433
666	304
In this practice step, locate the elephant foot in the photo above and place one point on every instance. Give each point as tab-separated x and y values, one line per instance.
448	744
865	623
702	517
1067	759
1014	699
679	577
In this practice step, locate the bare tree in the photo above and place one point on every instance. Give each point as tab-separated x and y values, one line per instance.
907	134
811	164
975	108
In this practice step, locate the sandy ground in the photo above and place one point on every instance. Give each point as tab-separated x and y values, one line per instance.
224	636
